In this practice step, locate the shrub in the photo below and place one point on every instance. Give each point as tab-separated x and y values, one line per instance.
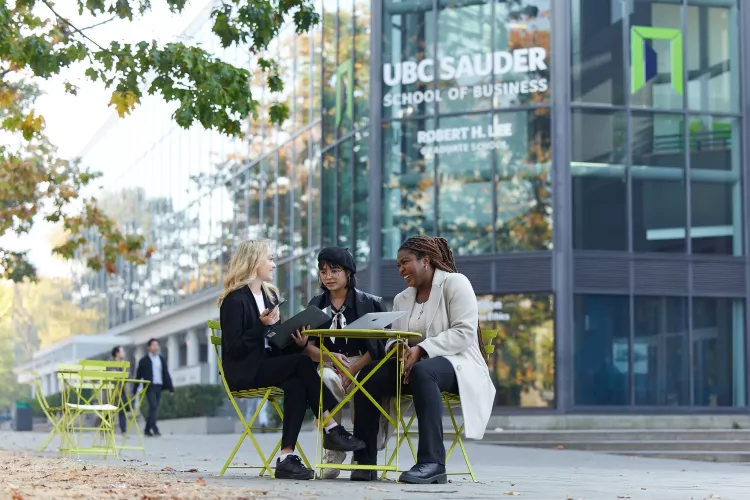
198	400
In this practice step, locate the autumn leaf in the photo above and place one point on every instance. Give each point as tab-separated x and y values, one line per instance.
123	102
200	482
168	469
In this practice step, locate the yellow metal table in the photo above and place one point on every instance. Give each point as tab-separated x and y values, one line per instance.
358	386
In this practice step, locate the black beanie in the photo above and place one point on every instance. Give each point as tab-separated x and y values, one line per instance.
338	256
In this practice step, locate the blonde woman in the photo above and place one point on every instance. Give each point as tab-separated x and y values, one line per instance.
248	310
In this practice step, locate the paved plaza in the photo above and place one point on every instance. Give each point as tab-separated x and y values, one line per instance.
502	471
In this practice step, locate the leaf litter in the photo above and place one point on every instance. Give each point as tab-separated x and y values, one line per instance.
26	478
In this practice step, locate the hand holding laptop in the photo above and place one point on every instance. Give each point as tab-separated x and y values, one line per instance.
299	338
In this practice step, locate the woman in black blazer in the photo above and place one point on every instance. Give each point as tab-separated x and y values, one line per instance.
337	270
248	308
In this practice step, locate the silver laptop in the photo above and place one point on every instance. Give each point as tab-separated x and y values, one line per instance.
375	321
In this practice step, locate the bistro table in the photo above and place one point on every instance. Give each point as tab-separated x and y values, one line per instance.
358	386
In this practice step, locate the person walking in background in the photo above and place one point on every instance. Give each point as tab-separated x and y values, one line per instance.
153	367
118	354
252	406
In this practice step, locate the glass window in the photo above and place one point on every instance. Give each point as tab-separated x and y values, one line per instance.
282	278
345	189
303	79
361	62
522	58
328	194
305	280
316	212
522	365
408	58
285	197
712	55
658	173
598	156
408	184
597	52
524	181
716	184
661	352
330	64
269	173
361	220
301	197
464	34
656	75
343	77
286	73
601	350
465	182
718	352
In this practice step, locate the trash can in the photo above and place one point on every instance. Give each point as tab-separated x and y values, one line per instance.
24	420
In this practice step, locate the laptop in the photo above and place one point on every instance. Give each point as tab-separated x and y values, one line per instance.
375	321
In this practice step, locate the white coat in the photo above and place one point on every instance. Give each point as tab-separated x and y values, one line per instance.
452	317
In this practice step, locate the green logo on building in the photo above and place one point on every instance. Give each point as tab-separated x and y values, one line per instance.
346	68
638	36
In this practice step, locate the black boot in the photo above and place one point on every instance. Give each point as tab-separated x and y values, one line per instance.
425	474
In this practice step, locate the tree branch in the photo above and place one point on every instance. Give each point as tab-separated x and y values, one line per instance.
95	25
61	18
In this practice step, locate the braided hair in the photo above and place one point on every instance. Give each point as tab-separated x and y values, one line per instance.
441	257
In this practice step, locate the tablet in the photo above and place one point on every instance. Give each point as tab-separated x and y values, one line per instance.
281	335
375	321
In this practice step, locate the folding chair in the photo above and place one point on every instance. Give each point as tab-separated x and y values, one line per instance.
266	394
132	406
452	402
54	414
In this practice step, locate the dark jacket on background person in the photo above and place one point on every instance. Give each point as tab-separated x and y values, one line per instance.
243	336
146	372
364	303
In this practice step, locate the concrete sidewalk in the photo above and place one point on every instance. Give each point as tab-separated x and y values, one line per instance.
527	473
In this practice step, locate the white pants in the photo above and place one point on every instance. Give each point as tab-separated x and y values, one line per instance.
334	382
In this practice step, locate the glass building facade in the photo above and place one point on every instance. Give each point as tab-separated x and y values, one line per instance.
584	158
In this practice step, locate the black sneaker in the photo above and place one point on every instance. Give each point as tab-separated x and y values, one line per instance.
339	439
293	468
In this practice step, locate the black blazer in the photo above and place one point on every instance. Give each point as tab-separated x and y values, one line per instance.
146	372
363	303
243	334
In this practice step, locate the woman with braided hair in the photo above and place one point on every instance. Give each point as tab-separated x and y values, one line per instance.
449	357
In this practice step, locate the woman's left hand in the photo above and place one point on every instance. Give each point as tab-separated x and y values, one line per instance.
299	338
413	354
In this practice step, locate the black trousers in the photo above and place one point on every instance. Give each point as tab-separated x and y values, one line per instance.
297	376
153	396
429	377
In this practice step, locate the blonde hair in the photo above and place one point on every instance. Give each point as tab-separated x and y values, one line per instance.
244	267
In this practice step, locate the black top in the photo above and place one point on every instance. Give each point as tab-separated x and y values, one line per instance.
243	338
145	371
356	305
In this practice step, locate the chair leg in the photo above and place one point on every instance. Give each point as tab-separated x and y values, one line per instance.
234	452
458	430
404	436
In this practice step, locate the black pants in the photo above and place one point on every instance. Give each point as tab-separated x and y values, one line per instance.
153	396
429	377
121	414
297	376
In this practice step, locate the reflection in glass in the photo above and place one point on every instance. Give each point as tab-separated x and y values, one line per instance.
599	152
285	198
718	352
661	352
301	196
329	195
713	56
361	221
601	350
597	52
716	184
465	185
361	62
408	40
658	173
660	88
523	363
344	182
408	184
330	64
524	182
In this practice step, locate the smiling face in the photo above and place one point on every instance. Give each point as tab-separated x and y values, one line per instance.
265	268
333	277
414	270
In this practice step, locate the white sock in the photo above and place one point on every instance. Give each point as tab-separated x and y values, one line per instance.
283	456
330	425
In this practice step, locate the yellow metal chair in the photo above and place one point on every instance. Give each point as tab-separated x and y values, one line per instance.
265	394
54	414
92	393
452	402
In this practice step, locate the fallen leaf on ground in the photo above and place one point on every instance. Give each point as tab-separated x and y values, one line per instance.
559	447
191	470
168	469
16	496
200	482
511	493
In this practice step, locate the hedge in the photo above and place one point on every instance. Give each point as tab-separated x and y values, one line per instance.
189	401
